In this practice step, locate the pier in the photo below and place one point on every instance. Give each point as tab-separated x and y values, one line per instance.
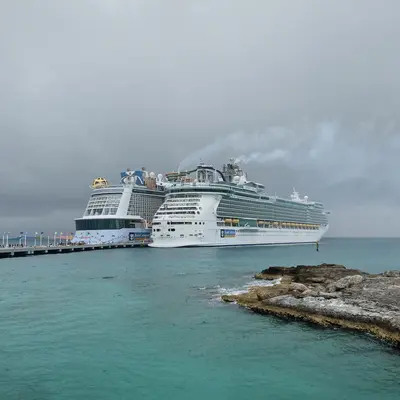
8	252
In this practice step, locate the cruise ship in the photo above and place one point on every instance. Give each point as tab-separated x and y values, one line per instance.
121	213
209	207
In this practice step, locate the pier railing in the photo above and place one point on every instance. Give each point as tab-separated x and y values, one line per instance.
17	251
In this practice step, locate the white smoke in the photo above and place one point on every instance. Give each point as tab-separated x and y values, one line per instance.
237	143
328	151
274	155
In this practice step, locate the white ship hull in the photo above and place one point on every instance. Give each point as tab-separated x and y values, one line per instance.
259	237
112	236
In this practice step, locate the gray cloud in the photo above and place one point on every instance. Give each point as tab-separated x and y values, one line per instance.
88	88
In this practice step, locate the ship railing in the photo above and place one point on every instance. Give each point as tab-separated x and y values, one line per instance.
205	184
108	187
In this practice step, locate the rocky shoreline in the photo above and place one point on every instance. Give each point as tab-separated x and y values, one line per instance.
329	295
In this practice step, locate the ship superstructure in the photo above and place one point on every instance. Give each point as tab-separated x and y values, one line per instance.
121	213
209	207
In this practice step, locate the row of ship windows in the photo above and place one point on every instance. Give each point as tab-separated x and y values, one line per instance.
250	196
257	205
102	204
169	205
273	225
266	214
101	211
282	220
258	212
270	209
293	206
106	197
283	217
281	204
182	203
239	215
257	201
178	208
185	196
105	200
177	212
99	224
247	197
181	223
196	200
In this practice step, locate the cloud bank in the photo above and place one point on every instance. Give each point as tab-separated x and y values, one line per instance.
305	93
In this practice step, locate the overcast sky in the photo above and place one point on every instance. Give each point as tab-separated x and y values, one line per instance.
306	92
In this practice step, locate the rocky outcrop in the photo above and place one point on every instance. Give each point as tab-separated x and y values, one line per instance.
330	295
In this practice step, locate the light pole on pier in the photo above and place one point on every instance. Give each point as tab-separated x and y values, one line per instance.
25	239
3	237
7	233
54	238
41	238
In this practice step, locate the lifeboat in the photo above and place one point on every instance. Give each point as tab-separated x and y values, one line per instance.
235	221
228	220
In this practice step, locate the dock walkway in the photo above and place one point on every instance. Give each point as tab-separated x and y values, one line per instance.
8	252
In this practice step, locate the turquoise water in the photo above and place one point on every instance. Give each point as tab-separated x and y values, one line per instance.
155	328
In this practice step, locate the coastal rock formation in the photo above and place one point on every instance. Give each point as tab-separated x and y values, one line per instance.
329	295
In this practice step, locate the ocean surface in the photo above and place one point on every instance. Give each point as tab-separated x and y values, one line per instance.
148	324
